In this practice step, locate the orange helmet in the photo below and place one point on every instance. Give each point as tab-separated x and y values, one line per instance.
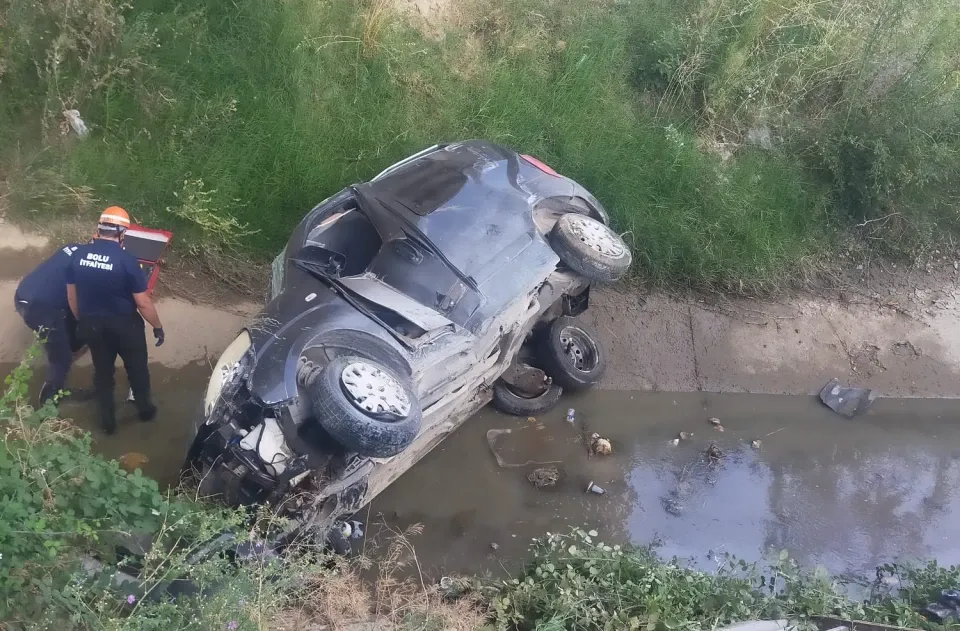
115	216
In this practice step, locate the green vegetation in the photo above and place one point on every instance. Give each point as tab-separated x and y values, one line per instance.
71	520
230	120
575	582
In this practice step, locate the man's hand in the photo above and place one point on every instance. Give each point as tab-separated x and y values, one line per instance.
158	333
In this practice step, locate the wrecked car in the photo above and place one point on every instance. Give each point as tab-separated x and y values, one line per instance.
398	308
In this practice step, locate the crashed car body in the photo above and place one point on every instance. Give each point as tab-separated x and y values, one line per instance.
396	310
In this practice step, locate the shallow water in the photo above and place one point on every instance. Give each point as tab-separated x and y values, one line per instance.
848	494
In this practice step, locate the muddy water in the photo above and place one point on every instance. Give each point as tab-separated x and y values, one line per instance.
848	494
163	441
845	493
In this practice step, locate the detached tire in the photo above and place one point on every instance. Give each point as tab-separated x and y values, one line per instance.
365	406
571	355
590	248
507	401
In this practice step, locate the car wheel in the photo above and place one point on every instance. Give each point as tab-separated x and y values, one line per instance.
509	402
365	406
590	248
571	355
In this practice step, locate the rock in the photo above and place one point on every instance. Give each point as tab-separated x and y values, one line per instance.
756	443
713	453
685	435
675	442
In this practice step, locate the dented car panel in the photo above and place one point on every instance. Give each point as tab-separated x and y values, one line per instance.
439	268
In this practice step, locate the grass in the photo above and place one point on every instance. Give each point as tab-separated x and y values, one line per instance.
227	121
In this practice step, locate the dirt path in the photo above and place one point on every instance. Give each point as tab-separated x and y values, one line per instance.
899	334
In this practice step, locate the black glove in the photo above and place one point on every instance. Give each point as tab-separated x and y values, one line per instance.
158	333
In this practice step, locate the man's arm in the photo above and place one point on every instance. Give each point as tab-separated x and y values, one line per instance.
72	299
146	309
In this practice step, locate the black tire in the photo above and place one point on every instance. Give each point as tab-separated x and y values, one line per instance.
571	241
508	402
571	355
376	433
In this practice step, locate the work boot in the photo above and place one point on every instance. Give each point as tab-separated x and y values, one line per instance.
148	413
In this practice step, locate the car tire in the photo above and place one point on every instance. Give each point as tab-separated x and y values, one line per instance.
590	248
377	426
507	401
571	355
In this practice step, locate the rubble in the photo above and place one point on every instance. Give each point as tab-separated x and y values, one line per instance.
543	477
848	402
600	446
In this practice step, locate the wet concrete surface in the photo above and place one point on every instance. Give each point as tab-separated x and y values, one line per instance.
848	494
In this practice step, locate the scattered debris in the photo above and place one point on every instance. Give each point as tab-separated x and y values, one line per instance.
493	435
946	609
756	443
356	529
719	428
847	402
494	546
713	453
76	123
714	420
593	488
132	461
675	442
531	419
542	477
452	588
600	446
571	415
685	435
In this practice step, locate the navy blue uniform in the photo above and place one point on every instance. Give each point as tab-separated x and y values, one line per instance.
41	300
106	277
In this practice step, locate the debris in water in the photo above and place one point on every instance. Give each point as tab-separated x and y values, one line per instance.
600	446
531	419
946	609
675	442
685	435
714	420
719	428
571	415
713	453
756	443
593	488
542	477
132	461
494	546
847	402
494	434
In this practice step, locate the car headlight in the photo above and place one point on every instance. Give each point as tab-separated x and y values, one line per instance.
225	370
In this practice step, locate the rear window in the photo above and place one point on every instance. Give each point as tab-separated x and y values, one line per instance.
424	188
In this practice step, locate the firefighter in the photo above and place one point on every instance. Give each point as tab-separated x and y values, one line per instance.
107	292
41	300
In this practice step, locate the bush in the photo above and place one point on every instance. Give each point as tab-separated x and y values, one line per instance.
862	92
576	582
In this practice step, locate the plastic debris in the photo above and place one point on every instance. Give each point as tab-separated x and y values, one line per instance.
494	434
600	446
946	609
356	528
571	415
675	442
756	443
76	123
543	477
719	428
593	488
714	420
494	546
847	402
685	435
531	419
